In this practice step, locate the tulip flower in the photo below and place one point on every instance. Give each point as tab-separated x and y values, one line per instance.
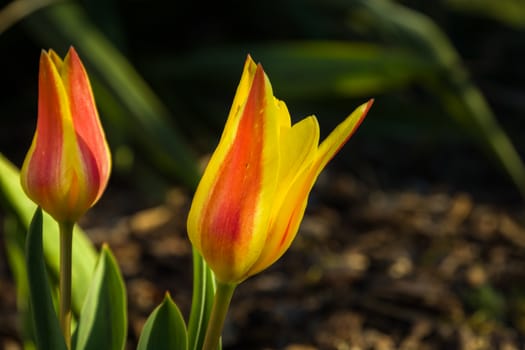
68	164
252	196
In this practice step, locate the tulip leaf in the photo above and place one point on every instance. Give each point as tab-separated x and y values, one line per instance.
165	328
48	335
16	202
103	320
202	301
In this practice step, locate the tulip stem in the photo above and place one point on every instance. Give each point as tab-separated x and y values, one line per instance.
221	303
66	247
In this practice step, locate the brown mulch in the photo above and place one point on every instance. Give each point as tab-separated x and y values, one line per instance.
370	269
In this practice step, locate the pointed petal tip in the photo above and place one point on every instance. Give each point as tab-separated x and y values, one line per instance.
364	108
369	105
45	60
260	69
249	60
73	53
249	66
259	77
252	64
51	53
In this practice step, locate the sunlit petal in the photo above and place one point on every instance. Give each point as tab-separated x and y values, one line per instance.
67	166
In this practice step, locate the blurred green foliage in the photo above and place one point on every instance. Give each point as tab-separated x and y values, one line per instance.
511	12
164	72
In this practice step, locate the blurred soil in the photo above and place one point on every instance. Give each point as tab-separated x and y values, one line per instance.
377	268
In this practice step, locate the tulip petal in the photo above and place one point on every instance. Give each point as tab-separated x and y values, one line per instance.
298	146
229	216
242	92
288	215
285	121
86	122
57	61
42	172
339	136
286	223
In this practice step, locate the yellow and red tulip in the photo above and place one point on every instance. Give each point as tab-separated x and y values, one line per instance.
67	166
253	194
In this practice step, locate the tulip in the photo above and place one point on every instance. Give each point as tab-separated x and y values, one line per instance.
68	164
252	196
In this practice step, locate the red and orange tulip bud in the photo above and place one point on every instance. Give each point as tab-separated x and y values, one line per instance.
68	164
253	194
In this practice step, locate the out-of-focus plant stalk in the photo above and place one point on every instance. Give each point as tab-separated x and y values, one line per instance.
66	247
17	10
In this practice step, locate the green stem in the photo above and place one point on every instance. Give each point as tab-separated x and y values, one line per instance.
66	247
221	303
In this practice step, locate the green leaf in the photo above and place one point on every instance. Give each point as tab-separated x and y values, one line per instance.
47	329
202	301
165	329
15	201
103	321
14	237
